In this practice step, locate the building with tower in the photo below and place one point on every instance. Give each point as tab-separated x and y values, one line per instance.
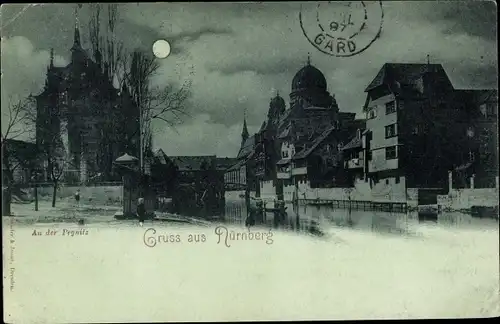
83	118
422	131
421	138
293	142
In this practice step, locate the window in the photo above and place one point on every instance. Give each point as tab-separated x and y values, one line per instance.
397	180
390	131
372	113
391	153
390	107
386	181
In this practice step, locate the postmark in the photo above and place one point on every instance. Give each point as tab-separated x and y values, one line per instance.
342	29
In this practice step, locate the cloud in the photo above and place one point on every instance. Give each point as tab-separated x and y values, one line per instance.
238	54
200	137
23	70
272	66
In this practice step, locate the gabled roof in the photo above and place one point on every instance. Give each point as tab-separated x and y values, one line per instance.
225	163
193	163
306	152
479	96
247	147
263	126
285	116
285	133
161	157
353	143
126	158
237	165
283	162
403	73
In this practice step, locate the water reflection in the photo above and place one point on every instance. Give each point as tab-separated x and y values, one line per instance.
316	219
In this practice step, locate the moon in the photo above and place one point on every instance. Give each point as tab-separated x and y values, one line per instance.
161	48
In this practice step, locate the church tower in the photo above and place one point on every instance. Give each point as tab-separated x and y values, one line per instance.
77	52
244	132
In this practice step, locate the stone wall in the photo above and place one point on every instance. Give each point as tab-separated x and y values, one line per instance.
362	191
101	194
466	198
267	190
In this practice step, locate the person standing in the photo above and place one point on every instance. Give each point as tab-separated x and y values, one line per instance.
77	197
141	211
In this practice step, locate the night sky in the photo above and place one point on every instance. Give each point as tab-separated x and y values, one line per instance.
241	54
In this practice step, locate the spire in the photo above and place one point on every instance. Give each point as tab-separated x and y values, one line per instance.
244	133
76	41
52	57
308	58
277	93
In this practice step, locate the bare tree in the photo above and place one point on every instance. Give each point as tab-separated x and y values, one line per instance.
163	103
17	120
58	161
95	29
17	126
114	49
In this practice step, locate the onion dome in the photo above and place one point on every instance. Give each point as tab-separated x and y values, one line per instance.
307	78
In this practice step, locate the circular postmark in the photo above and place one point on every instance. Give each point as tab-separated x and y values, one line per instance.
342	29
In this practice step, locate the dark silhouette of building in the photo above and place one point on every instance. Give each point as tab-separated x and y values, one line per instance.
303	142
81	112
421	127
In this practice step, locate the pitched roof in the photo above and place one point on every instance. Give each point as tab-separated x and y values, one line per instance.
193	163
263	126
285	116
126	158
403	73
354	143
237	165
247	147
161	157
480	96
463	166
283	161
305	153
225	163
285	133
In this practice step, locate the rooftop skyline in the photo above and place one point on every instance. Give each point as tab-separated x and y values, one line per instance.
242	54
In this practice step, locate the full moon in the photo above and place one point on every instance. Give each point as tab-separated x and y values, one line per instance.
161	48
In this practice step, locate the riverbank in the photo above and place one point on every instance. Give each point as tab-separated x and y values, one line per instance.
440	272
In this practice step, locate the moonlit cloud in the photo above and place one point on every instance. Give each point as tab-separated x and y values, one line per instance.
238	55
